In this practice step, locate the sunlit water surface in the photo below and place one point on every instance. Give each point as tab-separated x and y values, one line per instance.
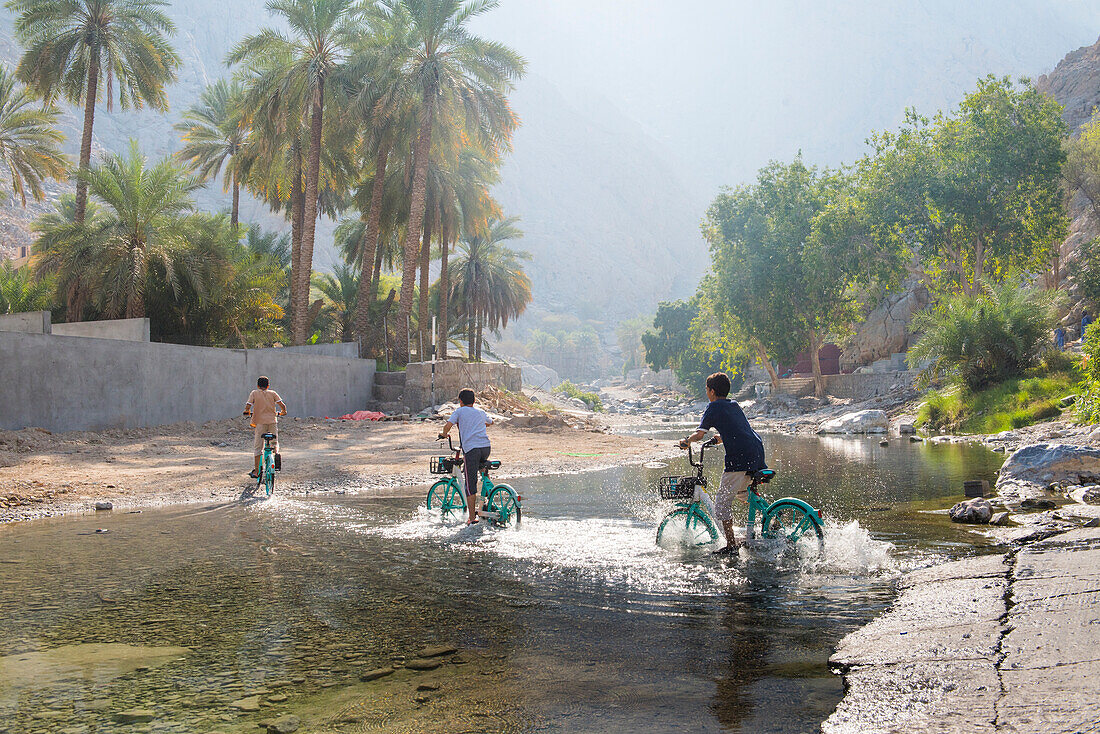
577	621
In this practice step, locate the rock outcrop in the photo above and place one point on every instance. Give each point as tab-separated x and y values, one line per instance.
862	421
1031	470
885	330
1075	84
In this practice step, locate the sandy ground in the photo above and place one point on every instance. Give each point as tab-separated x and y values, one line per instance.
44	474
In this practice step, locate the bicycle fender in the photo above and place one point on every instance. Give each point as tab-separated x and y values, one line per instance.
794	500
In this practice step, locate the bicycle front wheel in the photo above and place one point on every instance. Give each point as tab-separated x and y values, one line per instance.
504	501
269	479
687	526
445	498
791	521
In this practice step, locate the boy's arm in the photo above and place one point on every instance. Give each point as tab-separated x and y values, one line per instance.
282	406
446	429
698	435
248	406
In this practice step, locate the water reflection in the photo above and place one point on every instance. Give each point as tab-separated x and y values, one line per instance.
575	622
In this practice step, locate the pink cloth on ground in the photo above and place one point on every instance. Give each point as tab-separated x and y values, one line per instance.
363	415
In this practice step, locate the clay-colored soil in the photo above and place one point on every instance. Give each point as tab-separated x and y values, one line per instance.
44	474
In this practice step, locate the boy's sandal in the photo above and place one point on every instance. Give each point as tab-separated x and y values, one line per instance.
253	474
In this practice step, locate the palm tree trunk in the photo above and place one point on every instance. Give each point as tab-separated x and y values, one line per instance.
86	136
295	227
369	247
309	211
480	331
423	317
235	212
416	207
444	291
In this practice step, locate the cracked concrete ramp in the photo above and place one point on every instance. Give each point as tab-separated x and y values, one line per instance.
1002	643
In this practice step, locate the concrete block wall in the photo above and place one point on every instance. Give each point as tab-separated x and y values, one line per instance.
130	330
78	383
28	322
868	385
452	375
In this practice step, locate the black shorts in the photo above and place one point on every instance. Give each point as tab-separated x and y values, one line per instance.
473	459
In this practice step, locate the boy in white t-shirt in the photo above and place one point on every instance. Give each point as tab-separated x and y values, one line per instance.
471	423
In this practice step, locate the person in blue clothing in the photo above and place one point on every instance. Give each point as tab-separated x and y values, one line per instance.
744	453
471	423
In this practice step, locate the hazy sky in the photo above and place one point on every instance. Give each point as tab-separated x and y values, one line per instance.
726	86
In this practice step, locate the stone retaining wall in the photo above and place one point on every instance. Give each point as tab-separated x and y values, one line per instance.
431	383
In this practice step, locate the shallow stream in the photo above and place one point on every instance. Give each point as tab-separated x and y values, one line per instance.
196	615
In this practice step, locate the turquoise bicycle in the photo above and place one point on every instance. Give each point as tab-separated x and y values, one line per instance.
269	464
791	519
447	497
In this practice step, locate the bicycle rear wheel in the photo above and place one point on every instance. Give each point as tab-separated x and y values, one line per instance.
789	520
269	479
687	526
504	501
446	499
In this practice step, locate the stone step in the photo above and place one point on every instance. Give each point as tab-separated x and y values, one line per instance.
389	378
389	393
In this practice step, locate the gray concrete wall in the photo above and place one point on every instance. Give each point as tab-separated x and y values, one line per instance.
866	386
129	330
452	375
347	350
77	383
29	322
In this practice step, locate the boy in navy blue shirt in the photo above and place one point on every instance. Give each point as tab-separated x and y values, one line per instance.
744	452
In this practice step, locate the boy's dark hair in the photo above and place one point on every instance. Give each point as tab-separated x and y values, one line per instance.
466	397
262	383
719	382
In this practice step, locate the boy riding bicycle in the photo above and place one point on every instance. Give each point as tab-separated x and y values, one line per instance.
744	452
471	423
264	406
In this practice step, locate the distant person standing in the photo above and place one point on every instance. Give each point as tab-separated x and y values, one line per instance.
1085	321
1060	339
264	406
471	423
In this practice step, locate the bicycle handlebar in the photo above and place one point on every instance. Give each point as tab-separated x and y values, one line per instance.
440	438
713	441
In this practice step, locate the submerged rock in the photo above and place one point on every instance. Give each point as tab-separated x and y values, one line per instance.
135	716
375	674
976	511
284	725
252	703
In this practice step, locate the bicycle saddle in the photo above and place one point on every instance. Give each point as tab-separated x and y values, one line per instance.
269	436
489	465
762	476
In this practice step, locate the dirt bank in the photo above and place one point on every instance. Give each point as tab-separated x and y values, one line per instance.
44	474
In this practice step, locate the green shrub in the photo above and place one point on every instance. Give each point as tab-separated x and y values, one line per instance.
987	338
591	399
1011	404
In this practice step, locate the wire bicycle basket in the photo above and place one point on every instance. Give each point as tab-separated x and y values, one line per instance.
441	465
678	488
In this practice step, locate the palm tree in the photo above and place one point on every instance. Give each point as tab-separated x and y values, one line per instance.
73	44
448	66
135	236
20	291
488	281
29	140
294	72
340	293
215	136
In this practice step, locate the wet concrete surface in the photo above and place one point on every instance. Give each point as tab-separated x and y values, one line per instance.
1001	643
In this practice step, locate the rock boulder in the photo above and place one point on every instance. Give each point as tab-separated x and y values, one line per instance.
1032	469
977	511
862	421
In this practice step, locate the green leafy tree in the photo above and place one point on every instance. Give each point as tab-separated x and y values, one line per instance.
985	338
74	45
339	291
214	138
29	140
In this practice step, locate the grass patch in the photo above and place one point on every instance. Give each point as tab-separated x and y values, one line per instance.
591	399
1002	407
